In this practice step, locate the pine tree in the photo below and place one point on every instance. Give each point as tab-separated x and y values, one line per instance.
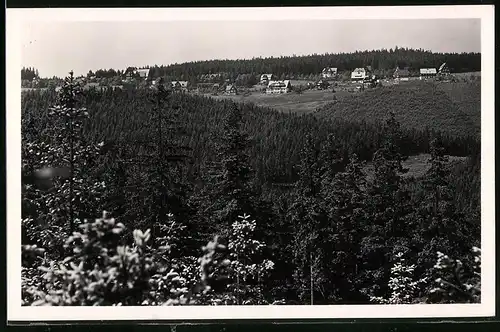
68	199
231	193
344	199
308	221
388	210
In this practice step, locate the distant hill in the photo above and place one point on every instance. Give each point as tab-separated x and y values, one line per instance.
383	62
454	108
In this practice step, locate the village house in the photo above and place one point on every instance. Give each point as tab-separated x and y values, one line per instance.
143	73
179	85
266	78
443	70
130	74
401	74
210	77
279	87
427	73
329	73
360	74
231	89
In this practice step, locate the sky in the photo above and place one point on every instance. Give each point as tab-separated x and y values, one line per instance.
57	47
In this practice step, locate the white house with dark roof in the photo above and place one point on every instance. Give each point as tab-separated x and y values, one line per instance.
360	74
443	70
266	78
179	85
231	89
329	72
276	87
143	73
427	72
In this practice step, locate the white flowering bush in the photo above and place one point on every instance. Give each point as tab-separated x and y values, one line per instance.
458	282
402	283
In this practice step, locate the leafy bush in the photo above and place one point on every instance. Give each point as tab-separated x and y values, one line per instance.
104	271
404	288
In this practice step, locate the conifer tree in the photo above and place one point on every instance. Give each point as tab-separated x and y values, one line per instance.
308	220
68	199
345	198
231	192
388	210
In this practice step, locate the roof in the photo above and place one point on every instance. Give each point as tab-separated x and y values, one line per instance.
402	72
329	69
428	71
267	75
359	70
183	84
443	66
230	87
278	84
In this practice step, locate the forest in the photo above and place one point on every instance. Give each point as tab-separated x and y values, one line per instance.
383	63
163	198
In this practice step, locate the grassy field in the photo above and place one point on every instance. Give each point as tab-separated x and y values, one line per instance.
451	107
454	107
306	102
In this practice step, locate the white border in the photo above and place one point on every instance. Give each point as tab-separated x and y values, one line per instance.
16	17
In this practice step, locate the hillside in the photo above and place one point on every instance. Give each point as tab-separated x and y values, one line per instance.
451	107
382	62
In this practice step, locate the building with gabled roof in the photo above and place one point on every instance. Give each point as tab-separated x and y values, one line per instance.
359	74
443	69
427	73
179	85
143	73
401	73
329	72
266	78
231	89
279	87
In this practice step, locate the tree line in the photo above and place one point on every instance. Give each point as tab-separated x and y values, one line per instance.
383	62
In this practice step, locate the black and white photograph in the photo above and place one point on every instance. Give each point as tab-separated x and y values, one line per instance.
328	162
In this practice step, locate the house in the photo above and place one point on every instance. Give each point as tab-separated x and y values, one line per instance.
443	70
266	78
210	77
130	73
427	72
179	85
359	74
143	73
231	89
401	73
278	87
329	72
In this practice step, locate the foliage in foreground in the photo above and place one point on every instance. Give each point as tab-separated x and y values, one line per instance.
102	270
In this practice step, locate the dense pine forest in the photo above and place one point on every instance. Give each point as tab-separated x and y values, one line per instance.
214	202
